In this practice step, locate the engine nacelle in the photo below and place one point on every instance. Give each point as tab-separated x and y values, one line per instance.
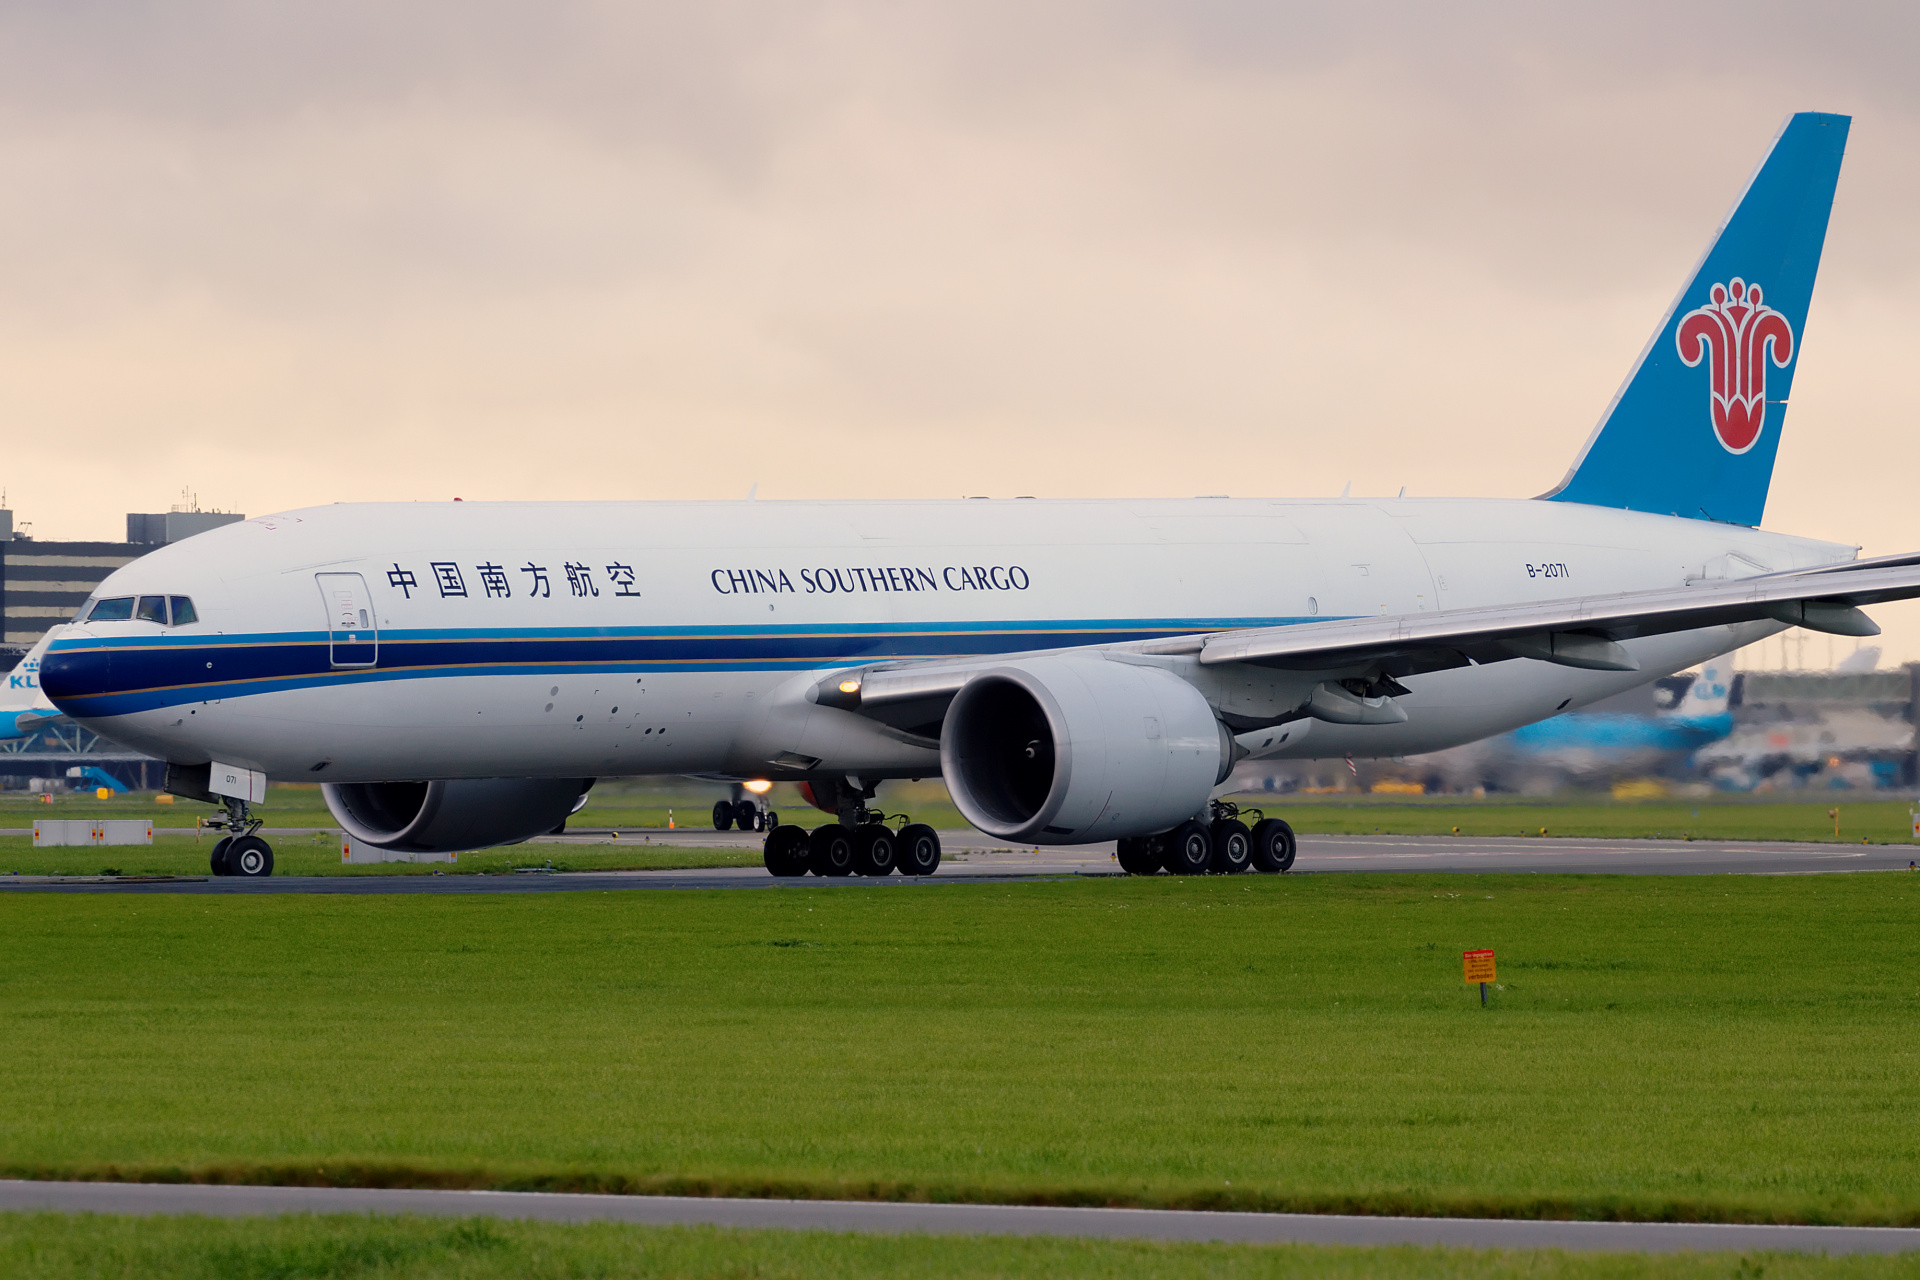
1071	750
451	817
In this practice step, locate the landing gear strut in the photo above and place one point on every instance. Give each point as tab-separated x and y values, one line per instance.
240	852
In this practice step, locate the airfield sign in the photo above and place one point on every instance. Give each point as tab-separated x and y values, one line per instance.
1479	968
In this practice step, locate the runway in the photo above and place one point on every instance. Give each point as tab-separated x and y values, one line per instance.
971	857
957	1219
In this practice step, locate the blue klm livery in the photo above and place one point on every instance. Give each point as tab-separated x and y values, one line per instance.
1708	396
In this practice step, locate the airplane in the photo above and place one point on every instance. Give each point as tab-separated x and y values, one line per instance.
457	675
25	708
1596	745
1701	716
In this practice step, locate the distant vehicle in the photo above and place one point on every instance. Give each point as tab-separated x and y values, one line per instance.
456	675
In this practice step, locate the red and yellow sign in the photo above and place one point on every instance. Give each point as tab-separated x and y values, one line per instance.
1479	966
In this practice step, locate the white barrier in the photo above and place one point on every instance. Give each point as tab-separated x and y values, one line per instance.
52	832
362	854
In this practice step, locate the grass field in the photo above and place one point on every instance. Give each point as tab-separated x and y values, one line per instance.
642	803
613	803
1736	1048
50	1247
320	856
1717	818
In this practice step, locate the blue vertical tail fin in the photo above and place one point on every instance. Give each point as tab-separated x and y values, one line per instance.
1694	429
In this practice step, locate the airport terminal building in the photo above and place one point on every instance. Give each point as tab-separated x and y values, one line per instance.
42	584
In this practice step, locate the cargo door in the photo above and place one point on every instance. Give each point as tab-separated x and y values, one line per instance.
353	639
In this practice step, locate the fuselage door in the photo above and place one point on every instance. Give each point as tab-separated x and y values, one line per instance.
353	639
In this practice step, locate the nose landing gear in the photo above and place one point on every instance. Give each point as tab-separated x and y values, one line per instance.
241	853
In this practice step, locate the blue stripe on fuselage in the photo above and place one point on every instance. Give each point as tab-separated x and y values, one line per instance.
97	677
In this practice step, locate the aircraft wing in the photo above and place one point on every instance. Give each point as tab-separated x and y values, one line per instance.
1577	631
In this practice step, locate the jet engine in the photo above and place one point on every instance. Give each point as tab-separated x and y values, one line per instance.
449	817
1071	750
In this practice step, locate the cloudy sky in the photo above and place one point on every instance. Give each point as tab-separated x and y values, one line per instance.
278	254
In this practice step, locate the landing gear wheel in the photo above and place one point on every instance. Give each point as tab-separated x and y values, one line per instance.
1136	857
830	851
1188	850
786	851
722	815
249	856
1273	846
218	862
918	850
746	815
772	820
1232	847
874	850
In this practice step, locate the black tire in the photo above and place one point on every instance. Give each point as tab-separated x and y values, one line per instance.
1136	857
1187	850
772	820
830	851
1232	847
1273	846
785	851
917	850
875	850
746	815
249	856
722	815
218	861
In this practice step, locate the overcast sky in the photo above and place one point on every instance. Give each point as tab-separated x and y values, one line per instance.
280	255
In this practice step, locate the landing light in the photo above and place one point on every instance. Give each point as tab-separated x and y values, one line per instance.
759	786
849	686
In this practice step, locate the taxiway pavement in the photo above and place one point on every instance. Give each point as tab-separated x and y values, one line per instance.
956	1219
969	856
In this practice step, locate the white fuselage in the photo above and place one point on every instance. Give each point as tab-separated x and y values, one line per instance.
685	637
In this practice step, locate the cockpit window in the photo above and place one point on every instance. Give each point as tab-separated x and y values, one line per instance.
145	609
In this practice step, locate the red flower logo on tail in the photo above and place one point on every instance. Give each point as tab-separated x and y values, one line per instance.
1743	334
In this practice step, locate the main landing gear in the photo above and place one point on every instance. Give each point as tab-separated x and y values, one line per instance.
1223	846
746	814
240	853
861	844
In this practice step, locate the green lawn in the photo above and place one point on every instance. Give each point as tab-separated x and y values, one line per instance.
616	802
320	856
53	1247
643	803
1717	1047
1716	818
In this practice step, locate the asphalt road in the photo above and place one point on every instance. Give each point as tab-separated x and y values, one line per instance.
956	1219
973	857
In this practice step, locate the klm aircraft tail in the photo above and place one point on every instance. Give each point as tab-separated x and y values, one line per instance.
1694	430
1710	691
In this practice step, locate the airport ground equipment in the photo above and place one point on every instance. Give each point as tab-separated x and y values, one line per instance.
56	832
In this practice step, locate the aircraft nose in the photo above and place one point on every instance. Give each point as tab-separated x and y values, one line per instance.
75	675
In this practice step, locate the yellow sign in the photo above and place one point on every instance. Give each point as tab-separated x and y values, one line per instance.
1479	966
